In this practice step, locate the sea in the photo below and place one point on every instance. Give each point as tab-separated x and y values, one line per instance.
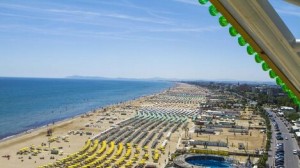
29	103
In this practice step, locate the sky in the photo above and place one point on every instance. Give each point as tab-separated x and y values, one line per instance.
124	38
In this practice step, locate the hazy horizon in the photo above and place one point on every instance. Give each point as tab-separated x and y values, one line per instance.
146	79
175	39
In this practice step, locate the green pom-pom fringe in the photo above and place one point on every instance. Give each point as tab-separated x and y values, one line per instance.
213	10
242	41
250	50
203	2
223	21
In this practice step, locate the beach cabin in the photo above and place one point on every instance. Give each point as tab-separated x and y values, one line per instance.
205	130
226	123
214	113
231	114
201	122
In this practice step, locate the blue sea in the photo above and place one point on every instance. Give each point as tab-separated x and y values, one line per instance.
27	103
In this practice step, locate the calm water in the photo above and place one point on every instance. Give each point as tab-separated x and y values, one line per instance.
27	103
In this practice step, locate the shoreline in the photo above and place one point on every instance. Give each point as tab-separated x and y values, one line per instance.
68	119
33	111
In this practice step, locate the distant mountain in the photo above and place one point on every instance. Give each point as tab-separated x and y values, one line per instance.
126	79
87	77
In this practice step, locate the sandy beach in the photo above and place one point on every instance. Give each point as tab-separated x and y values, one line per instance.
60	129
143	131
83	127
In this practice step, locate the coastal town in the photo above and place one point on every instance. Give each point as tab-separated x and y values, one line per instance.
167	129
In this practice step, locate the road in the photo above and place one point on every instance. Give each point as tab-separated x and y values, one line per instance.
271	152
290	160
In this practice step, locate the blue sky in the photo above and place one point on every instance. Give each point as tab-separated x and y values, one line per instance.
124	38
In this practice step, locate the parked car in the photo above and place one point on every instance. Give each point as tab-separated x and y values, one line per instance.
295	152
279	137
